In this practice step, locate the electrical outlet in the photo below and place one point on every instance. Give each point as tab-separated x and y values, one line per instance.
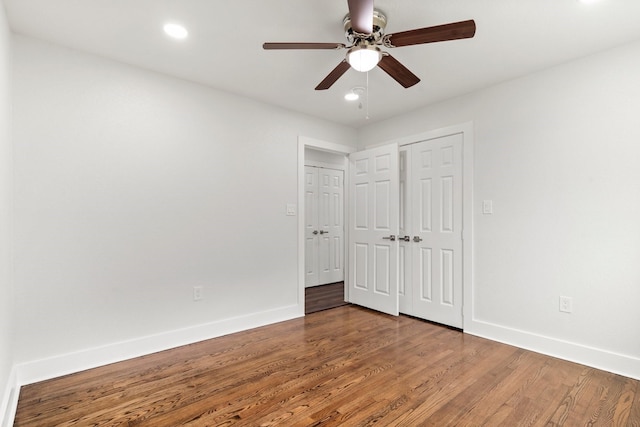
197	293
566	304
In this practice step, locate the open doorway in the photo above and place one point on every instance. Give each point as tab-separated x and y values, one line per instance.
322	260
324	230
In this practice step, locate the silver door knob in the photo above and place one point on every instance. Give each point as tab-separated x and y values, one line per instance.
392	238
405	238
324	232
315	231
417	239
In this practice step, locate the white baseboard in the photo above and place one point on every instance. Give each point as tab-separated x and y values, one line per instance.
40	370
620	364
9	402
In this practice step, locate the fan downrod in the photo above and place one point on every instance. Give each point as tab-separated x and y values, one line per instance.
356	38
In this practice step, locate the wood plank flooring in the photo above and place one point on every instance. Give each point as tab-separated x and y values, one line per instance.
318	298
346	366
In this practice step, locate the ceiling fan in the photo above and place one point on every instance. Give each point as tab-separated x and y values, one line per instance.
364	28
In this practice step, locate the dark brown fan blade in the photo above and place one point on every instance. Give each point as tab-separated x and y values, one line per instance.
439	33
270	46
334	76
361	14
399	72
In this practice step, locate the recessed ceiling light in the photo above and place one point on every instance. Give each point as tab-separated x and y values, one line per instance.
176	31
351	96
354	94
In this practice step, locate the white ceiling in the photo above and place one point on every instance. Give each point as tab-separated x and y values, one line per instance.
224	47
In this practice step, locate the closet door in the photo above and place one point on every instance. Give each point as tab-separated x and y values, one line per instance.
324	226
436	204
373	228
311	231
331	226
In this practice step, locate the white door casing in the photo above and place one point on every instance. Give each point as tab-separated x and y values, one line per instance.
374	215
436	205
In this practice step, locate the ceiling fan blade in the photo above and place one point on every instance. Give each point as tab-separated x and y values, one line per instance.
271	46
334	76
399	72
361	14
439	33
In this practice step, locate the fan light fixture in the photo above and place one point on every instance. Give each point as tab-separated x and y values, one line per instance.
364	58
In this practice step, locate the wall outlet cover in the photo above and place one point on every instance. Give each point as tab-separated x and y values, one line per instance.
566	304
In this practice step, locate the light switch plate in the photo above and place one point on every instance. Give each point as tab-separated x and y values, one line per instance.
291	209
487	207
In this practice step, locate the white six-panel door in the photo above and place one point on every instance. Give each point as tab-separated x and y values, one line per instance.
331	226
373	228
310	226
434	183
324	226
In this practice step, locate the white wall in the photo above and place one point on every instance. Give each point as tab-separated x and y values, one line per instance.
133	187
324	158
558	152
6	196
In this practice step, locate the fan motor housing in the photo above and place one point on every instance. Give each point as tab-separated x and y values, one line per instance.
355	38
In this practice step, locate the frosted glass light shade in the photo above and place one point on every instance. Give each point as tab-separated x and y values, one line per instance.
364	58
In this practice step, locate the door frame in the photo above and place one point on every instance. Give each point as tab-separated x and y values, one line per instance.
466	129
331	147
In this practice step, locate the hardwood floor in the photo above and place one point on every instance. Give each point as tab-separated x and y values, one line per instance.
342	367
318	298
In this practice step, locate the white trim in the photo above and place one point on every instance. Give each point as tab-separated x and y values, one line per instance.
464	128
40	370
468	180
331	147
9	404
616	363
